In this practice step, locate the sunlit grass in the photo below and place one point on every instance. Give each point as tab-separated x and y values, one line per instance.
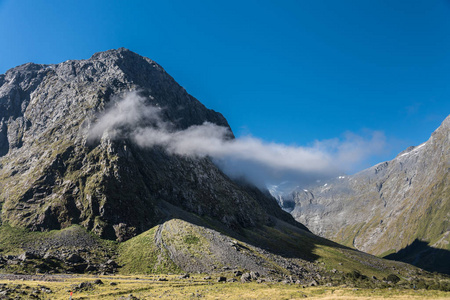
195	287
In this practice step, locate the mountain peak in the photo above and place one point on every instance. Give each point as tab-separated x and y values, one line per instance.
122	55
445	125
52	177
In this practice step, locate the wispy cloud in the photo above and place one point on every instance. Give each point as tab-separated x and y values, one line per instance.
124	114
259	161
351	150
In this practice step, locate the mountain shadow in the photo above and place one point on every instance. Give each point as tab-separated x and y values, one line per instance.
422	255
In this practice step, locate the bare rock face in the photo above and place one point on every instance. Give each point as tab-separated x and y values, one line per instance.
52	177
387	207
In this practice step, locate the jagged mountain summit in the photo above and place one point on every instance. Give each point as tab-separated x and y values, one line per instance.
389	206
149	210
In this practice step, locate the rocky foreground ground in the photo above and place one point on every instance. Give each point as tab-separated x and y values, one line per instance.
186	286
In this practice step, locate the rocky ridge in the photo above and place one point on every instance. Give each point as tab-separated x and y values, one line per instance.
387	207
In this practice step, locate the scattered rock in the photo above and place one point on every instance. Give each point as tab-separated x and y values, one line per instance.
221	279
393	278
83	286
26	255
48	256
254	275
111	263
90	268
74	258
129	297
78	268
313	283
12	262
246	277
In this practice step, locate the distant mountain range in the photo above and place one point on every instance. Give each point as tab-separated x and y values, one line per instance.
394	205
75	201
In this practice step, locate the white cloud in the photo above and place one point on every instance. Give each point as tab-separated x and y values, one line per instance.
352	150
125	113
261	162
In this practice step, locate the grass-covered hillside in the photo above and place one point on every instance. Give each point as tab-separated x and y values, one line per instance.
189	244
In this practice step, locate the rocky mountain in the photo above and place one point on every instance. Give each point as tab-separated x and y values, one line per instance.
52	177
73	203
389	206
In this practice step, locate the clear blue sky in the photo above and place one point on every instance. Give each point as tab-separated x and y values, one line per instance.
285	71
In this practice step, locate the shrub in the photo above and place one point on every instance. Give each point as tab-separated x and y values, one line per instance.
191	239
393	278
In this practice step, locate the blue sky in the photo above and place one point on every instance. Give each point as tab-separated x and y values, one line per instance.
289	72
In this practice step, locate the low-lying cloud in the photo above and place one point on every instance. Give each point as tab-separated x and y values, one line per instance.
258	161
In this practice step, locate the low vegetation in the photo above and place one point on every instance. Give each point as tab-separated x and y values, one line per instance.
192	287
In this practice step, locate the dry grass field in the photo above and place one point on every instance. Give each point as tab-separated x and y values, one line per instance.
194	287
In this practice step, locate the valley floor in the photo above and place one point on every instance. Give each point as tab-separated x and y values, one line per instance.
174	287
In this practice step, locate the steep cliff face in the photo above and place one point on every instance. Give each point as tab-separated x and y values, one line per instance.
387	207
52	176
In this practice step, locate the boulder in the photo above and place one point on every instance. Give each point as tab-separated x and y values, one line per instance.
246	277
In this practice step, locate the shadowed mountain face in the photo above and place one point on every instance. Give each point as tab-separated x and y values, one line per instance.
387	207
52	177
419	253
